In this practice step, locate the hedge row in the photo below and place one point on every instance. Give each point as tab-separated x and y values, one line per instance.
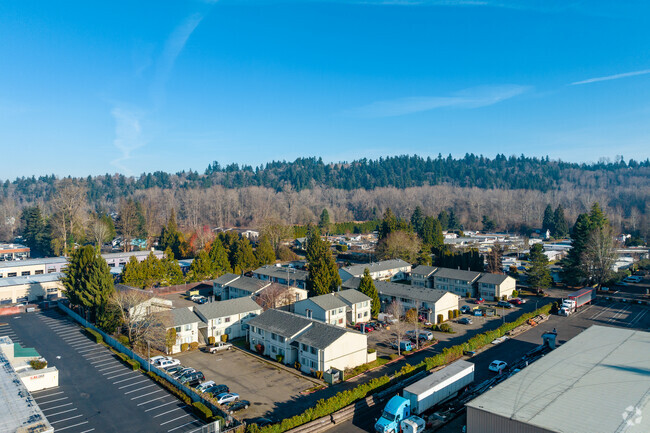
171	388
135	365
96	335
201	410
345	398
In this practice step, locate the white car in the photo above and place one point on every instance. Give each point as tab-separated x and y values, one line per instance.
154	360
227	397
497	366
205	385
167	363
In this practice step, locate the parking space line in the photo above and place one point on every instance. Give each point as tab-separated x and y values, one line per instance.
67	419
90	356
183	425
171	410
118	375
158	407
65	411
56	407
172	420
75	425
43	396
51	401
76	339
140	389
69	331
113	367
86	431
153	399
91	349
101	358
144	395
105	363
130	378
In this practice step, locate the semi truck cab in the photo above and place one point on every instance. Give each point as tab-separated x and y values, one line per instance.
396	410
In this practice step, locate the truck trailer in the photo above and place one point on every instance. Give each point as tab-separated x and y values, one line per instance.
576	300
424	394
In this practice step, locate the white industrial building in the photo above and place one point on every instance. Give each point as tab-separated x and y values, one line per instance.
598	382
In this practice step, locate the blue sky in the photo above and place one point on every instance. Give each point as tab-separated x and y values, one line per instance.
103	87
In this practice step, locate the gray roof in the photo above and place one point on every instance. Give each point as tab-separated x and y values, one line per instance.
32	262
31	279
212	310
424	270
282	272
457	274
584	386
352	296
280	322
493	278
248	284
326	302
121	255
225	279
410	292
321	335
352	283
386	265
183	316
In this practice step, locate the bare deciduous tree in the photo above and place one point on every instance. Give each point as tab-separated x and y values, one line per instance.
399	326
69	205
275	296
599	255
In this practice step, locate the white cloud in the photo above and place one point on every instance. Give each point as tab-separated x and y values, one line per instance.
128	136
612	77
475	97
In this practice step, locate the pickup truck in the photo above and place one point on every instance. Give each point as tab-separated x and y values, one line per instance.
219	347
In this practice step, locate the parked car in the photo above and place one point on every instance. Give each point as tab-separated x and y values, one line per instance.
404	345
426	335
633	279
465	321
479	300
376	325
227	397
469	353
504	304
497	366
478	312
238	405
195	297
201	300
465	309
205	385
173	370
218	347
260	421
364	326
154	360
217	389
516	301
185	372
168	363
193	379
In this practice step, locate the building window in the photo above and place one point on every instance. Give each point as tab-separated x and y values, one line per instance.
340	321
227	320
187	327
314	364
38	272
312	350
274	337
178	329
25	273
305	348
11	274
253	329
52	290
273	349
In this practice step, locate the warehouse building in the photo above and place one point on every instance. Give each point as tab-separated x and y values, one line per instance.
30	289
597	382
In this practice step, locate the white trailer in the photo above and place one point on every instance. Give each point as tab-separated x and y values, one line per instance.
439	386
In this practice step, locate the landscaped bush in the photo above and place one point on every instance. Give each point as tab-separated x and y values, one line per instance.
279	358
201	410
123	339
184	347
297	365
37	364
96	335
171	388
450	314
393	356
456	313
134	364
445	328
194	345
224	337
515	293
441	318
211	340
371	350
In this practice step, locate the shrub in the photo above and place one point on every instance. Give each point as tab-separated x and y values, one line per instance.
194	345
171	388
445	328
37	364
393	356
96	335
297	365
467	295
201	410
371	350
504	297
440	318
515	293
279	358
211	340
317	374
224	337
123	339
456	313
184	347
135	365
259	348
450	314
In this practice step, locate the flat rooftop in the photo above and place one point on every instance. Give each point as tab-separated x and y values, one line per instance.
587	385
33	262
18	411
30	279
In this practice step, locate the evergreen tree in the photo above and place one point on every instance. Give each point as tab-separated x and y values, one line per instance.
488	224
453	223
171	237
443	217
264	252
388	224
202	267
87	280
431	233
560	224
324	222
108	221
132	273
367	287
36	231
417	221
219	257
548	222
323	273
538	273
170	273
597	218
572	271
244	256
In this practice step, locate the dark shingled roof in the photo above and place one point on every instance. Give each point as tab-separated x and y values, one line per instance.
409	292
326	302
493	278
184	316
384	265
282	272
225	279
351	296
248	284
321	335
457	274
213	310
424	270
280	322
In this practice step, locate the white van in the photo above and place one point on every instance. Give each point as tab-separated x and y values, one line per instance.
166	363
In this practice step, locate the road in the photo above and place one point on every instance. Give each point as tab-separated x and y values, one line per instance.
603	313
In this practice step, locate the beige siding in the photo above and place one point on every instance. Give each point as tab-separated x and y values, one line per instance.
445	304
348	351
479	421
32	291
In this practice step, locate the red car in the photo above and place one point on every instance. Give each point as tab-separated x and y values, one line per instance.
360	326
479	301
515	301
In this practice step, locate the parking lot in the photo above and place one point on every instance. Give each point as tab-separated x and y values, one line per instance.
96	391
272	391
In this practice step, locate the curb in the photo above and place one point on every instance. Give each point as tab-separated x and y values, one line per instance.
280	366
